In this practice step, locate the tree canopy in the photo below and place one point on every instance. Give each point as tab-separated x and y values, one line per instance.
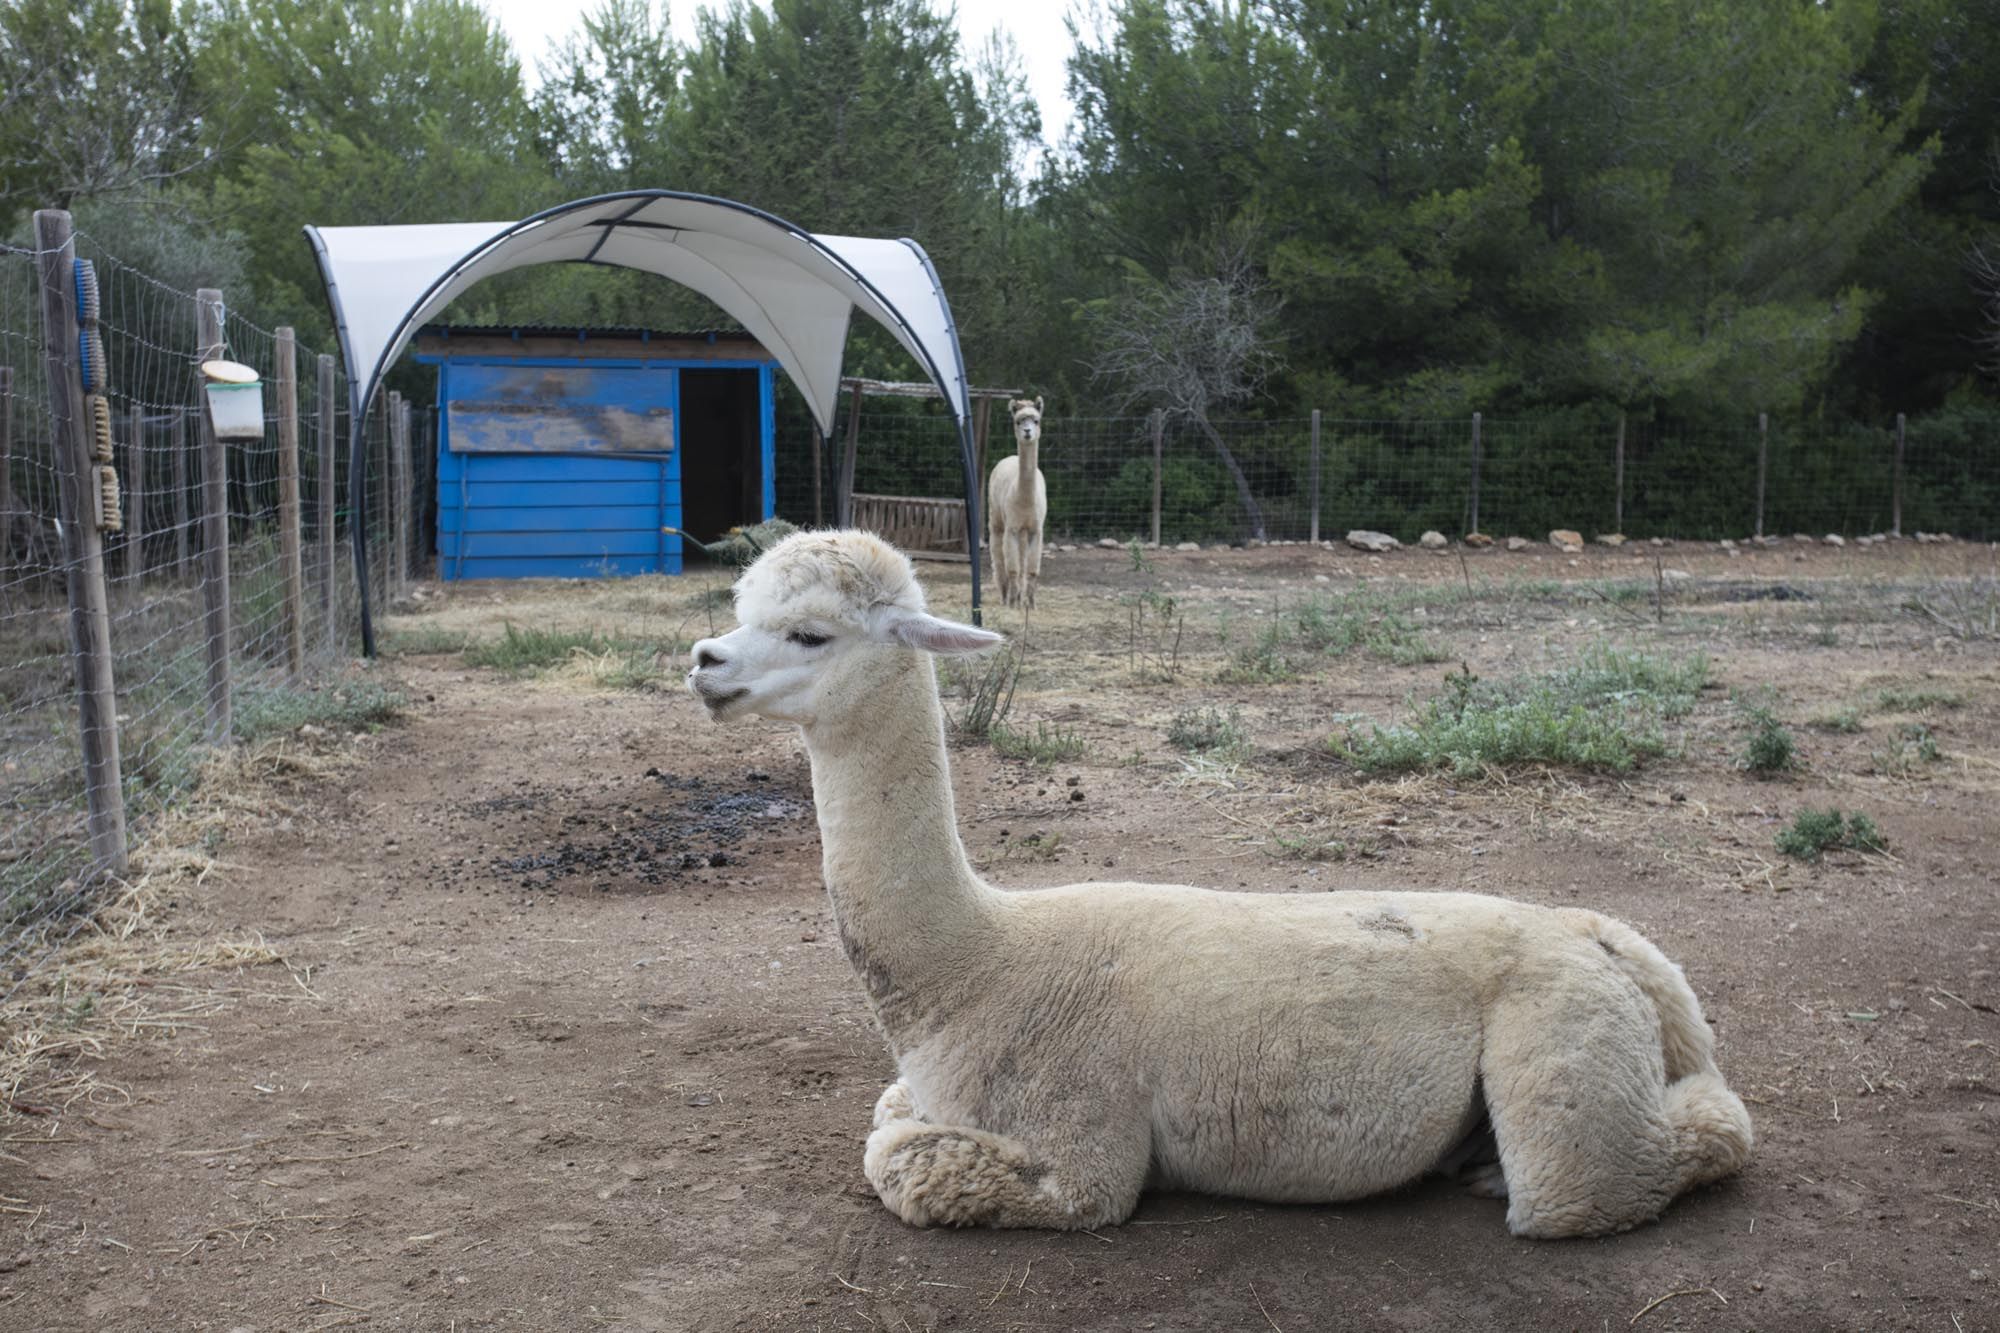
1690	208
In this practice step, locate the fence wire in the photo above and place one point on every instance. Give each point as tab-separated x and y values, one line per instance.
157	580
1239	480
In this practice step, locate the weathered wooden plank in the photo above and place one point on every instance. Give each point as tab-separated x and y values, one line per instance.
286	375
83	546
214	526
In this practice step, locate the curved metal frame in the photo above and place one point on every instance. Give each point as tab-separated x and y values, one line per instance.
362	391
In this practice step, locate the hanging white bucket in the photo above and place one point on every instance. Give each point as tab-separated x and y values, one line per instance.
235	400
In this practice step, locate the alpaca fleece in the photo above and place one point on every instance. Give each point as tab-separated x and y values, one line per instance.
1061	1050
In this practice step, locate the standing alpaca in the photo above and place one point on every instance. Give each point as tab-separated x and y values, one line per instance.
1016	504
1060	1050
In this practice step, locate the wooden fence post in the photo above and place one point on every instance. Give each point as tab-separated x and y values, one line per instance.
819	464
1763	464
1896	483
1314	536
982	415
135	497
1159	429
1618	478
286	374
83	544
329	419
177	450
1472	507
214	522
6	471
843	494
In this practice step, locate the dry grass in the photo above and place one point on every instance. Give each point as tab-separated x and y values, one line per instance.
133	971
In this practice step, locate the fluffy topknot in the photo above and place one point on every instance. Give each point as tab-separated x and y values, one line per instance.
838	575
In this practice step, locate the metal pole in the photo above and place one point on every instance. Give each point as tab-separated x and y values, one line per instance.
1159	453
1618	470
1315	477
1472	513
1763	463
6	470
406	500
83	544
819	509
177	448
1896	482
214	523
135	496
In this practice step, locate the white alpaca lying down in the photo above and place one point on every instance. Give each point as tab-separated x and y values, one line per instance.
1061	1050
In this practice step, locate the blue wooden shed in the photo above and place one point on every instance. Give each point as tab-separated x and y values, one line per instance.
581	453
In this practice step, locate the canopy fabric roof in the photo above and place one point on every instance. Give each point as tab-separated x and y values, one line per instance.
795	292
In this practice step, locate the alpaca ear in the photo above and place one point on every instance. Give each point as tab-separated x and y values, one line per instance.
1038	404
947	637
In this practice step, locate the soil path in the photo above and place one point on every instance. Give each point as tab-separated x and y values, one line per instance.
573	1047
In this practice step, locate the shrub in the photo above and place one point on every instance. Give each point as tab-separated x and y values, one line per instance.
1812	833
985	694
1046	745
1601	712
1207	730
1770	749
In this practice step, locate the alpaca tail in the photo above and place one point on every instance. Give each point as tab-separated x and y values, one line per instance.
1685	1040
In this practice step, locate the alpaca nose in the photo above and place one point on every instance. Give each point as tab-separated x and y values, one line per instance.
707	654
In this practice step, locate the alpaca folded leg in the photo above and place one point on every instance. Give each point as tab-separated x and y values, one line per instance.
942	1175
1711	1127
1576	1089
895	1104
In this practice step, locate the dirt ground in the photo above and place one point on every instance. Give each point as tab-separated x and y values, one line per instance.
563	1038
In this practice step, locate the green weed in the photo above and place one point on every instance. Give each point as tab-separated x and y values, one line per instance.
1812	833
1844	720
1207	730
985	693
1916	700
1364	620
428	641
1770	748
359	704
1307	847
1604	711
1913	747
614	662
1045	745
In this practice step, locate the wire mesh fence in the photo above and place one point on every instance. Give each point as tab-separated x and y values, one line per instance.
1237	480
225	621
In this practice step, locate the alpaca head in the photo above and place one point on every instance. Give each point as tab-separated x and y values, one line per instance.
1027	419
824	619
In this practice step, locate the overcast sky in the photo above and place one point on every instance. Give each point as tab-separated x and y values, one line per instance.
1037	26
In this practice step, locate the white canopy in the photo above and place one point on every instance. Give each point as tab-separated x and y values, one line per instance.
793	291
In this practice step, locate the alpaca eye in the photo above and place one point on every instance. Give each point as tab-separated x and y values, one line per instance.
805	640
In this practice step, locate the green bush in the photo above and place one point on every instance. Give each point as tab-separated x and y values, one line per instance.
1770	749
1604	711
1812	833
1207	731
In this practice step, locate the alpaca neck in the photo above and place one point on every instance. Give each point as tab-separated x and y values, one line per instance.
1030	452
906	900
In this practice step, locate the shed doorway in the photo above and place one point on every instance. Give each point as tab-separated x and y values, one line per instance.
722	454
